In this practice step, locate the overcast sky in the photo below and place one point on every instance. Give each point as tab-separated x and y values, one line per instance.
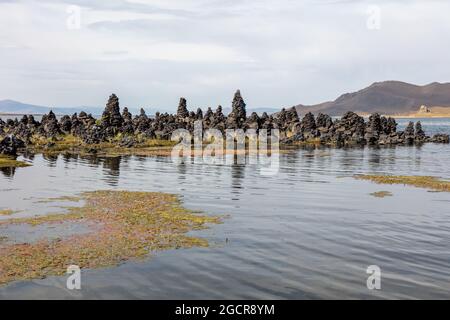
278	52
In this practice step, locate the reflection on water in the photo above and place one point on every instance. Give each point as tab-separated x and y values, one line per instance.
8	172
237	175
308	232
111	167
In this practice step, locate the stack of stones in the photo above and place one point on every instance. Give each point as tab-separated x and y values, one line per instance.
115	126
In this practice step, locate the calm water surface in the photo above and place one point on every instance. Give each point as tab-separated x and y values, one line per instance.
308	232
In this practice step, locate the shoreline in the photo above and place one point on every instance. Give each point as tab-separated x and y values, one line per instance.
364	115
117	130
424	116
412	116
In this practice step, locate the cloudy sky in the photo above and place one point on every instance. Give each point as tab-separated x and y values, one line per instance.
278	52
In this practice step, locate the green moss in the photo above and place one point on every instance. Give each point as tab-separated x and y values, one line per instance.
381	194
308	142
69	144
158	143
74	145
56	145
426	182
128	225
8	162
7	212
65	198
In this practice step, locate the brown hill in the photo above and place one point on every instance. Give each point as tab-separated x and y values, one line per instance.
388	97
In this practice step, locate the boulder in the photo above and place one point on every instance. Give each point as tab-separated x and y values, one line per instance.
10	144
182	111
419	134
112	119
238	115
49	125
409	133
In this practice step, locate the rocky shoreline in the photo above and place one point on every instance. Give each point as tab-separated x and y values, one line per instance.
125	131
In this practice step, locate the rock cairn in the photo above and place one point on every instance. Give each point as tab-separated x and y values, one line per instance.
238	115
126	131
10	145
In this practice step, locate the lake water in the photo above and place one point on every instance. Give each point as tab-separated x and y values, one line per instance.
308	232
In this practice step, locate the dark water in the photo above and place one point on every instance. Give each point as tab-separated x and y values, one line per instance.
308	232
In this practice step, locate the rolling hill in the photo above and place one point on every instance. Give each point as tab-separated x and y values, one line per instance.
388	97
12	107
15	107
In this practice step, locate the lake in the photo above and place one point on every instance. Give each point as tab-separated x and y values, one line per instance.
308	232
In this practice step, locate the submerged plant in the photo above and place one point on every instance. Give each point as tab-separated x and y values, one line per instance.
381	194
8	162
426	182
125	225
6	212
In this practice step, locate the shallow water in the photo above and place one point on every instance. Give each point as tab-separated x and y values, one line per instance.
309	231
430	125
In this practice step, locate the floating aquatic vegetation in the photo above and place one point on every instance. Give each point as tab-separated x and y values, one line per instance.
381	194
59	199
74	145
129	225
8	162
426	182
7	212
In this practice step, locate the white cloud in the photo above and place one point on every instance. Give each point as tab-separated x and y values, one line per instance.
278	53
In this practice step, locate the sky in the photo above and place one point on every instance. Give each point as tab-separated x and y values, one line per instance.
279	53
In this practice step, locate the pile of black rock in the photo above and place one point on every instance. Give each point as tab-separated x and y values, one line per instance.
351	129
10	145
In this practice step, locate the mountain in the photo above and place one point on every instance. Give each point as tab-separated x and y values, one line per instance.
388	97
15	107
259	111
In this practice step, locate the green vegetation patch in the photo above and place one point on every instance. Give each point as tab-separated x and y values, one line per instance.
381	194
8	162
426	182
6	212
128	225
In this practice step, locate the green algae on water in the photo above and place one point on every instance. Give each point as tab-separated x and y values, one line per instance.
129	225
426	182
381	194
7	212
8	162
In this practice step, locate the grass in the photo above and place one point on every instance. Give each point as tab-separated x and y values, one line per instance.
127	225
432	183
381	194
6	212
143	147
74	145
8	162
312	141
69	144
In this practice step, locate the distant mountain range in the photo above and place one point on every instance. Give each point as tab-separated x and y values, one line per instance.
14	107
388	97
